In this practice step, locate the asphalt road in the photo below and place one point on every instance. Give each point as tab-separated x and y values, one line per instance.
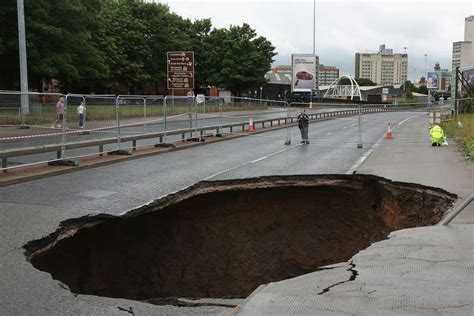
105	129
35	209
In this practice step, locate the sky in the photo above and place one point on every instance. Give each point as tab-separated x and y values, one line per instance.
344	28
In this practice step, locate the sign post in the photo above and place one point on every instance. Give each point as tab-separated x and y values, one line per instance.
180	70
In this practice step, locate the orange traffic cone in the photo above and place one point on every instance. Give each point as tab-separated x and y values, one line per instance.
389	135
251	128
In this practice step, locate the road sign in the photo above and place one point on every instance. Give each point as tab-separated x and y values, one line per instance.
180	70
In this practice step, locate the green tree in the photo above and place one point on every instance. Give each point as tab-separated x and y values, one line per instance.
365	82
423	90
239	59
59	41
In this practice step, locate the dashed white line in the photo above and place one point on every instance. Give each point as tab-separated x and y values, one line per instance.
251	162
328	134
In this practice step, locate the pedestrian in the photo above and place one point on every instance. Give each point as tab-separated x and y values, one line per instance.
190	97
59	112
80	113
303	123
436	135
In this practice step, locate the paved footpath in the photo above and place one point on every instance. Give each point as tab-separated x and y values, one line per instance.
418	271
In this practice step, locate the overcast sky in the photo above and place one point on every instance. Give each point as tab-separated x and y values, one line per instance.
344	27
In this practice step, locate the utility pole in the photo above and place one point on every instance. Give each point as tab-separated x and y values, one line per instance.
314	53
406	72
25	109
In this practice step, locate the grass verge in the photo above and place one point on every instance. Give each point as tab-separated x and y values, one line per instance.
462	133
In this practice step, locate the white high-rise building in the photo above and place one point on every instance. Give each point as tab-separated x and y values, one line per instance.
463	51
383	67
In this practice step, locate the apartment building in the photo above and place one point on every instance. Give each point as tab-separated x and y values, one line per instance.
327	74
383	67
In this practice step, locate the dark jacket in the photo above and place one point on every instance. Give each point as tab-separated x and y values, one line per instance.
303	120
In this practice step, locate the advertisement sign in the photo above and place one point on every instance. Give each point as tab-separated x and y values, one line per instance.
432	80
180	70
384	90
303	72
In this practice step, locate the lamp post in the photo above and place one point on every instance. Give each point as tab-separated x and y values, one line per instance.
414	75
406	70
23	67
426	83
314	54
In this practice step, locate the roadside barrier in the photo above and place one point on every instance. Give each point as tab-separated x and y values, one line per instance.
149	124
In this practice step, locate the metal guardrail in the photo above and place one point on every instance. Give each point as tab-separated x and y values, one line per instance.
458	210
58	148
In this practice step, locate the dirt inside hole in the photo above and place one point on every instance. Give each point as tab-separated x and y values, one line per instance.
224	238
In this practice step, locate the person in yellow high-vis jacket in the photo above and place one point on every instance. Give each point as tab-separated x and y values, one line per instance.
436	135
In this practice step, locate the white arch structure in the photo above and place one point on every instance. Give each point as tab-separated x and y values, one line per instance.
336	90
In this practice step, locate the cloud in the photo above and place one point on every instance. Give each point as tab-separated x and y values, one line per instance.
344	27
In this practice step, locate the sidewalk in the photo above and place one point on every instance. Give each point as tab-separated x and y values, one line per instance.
418	271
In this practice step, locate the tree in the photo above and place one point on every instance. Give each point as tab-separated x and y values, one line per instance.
242	59
58	41
365	82
423	90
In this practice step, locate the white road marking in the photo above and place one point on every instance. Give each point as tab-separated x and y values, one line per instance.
345	127
406	120
365	156
371	150
251	162
328	134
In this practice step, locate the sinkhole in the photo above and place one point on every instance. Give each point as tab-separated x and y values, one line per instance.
224	238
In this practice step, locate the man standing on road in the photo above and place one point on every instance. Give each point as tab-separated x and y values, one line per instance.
303	122
59	112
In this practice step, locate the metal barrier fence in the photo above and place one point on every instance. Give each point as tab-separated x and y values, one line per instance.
114	124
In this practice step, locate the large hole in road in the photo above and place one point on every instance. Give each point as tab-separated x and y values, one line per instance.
224	238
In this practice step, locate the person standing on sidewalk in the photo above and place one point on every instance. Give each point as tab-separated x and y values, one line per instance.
436	135
80	113
303	123
59	112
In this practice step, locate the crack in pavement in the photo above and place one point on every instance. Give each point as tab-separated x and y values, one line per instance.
180	303
351	278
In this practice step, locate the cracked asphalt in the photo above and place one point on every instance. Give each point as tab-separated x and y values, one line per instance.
417	271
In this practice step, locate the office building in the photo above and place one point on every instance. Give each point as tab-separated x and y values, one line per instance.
327	74
463	51
383	67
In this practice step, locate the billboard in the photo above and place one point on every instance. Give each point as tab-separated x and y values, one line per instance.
304	74
432	80
180	70
468	75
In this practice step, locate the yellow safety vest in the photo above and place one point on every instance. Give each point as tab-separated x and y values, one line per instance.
436	134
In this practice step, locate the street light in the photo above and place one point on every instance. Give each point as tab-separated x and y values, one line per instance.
23	68
406	75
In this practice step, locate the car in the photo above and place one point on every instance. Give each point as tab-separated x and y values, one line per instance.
304	75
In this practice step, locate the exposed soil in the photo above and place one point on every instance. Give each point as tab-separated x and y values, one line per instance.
224	238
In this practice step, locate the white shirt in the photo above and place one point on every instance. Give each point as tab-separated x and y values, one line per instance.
80	109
